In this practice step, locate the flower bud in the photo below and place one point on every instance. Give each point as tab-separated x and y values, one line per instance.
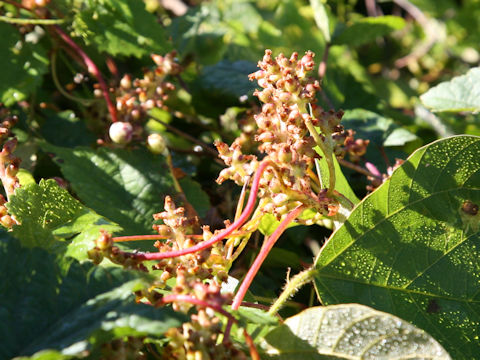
126	82
95	256
163	230
7	221
121	132
104	241
156	143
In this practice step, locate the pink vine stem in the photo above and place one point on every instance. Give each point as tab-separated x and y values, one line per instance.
264	251
220	236
92	69
193	300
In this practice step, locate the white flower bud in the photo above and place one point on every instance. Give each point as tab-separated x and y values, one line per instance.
156	143
121	132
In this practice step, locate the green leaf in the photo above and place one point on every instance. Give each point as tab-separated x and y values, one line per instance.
48	214
257	322
249	315
321	17
65	129
200	32
368	29
244	13
347	83
341	183
228	79
350	331
125	186
42	307
462	93
22	64
121	28
195	195
411	248
269	222
378	129
113	314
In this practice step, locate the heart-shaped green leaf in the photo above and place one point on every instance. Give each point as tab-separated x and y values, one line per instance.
411	248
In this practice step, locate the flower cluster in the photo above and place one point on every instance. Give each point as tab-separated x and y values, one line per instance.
287	132
178	229
345	143
177	232
134	98
198	339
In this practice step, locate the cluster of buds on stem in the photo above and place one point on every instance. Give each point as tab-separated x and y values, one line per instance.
287	131
198	340
9	163
104	248
345	143
135	97
178	231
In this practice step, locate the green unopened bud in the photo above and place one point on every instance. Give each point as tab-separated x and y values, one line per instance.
156	143
104	241
121	132
95	255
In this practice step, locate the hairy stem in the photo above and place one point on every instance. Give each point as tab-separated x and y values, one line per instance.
193	300
92	69
269	242
220	236
291	288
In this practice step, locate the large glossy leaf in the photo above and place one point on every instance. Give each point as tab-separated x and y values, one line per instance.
411	248
126	186
350	331
48	215
462	93
42	307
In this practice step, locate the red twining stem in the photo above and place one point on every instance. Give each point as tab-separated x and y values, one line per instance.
193	300
92	69
270	241
216	238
